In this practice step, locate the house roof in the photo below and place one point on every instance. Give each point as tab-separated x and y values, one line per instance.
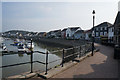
104	24
41	33
79	31
117	20
57	30
64	29
111	26
54	31
74	28
86	31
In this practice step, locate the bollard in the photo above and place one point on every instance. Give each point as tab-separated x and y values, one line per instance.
31	58
46	62
63	58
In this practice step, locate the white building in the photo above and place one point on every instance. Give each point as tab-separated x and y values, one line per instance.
70	32
63	33
110	34
79	34
88	34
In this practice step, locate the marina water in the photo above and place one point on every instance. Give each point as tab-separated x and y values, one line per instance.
24	57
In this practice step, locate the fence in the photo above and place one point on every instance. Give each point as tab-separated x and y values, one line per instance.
67	55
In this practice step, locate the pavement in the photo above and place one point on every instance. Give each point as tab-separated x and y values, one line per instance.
101	65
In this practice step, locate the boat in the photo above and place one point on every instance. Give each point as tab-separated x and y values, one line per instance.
28	45
21	47
4	48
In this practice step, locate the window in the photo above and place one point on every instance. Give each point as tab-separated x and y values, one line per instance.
105	28
96	34
112	29
105	33
96	29
101	33
101	28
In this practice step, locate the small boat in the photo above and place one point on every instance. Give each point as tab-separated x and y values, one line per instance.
28	45
4	49
21	47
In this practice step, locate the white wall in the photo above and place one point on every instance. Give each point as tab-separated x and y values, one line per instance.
110	33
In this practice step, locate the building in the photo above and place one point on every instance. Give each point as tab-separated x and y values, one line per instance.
79	34
54	34
70	32
117	29
63	33
111	34
88	34
117	35
41	34
101	30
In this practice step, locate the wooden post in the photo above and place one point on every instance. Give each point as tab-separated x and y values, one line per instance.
63	58
73	54
31	58
46	62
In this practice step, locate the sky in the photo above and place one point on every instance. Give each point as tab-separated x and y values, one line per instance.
47	16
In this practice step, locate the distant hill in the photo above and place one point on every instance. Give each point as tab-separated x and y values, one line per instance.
19	31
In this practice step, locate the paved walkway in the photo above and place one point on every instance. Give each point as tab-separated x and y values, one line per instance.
101	65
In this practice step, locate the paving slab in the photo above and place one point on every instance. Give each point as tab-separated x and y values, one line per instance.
101	65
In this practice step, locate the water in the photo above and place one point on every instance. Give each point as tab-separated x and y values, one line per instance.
23	57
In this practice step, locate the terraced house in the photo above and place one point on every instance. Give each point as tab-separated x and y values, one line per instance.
101	30
117	35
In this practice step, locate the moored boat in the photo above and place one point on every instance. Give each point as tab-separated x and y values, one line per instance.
21	47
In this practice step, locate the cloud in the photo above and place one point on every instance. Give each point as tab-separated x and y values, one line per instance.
59	0
50	15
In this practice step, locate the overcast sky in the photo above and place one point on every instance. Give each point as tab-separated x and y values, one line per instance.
46	16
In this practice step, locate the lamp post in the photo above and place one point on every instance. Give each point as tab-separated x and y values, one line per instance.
93	32
31	57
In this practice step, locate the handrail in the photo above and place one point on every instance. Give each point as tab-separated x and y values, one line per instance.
77	50
54	60
39	52
20	64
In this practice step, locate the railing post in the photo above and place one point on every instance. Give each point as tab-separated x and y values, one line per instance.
80	52
92	48
31	58
63	57
46	62
73	54
85	48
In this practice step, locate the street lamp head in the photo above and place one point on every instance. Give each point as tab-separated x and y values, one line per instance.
93	12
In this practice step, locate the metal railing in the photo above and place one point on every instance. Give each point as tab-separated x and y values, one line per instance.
66	54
